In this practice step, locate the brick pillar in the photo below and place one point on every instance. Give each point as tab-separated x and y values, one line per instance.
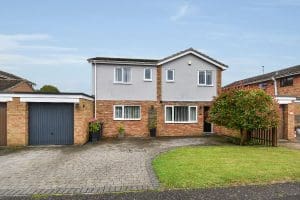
83	112
158	83
219	81
17	123
159	105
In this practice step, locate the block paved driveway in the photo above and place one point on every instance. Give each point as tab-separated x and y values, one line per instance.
108	166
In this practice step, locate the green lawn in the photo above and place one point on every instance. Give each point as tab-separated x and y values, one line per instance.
201	167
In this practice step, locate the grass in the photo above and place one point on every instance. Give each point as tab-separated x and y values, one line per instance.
203	167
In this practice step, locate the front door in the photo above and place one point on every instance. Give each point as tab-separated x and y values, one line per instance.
207	126
282	132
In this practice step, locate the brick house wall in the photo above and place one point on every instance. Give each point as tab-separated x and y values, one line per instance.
180	129
221	130
133	128
21	87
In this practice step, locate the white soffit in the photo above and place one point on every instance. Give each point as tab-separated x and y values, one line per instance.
5	99
195	54
285	100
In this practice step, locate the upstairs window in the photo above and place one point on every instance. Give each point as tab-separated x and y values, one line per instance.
147	74
170	75
286	81
122	75
205	78
263	86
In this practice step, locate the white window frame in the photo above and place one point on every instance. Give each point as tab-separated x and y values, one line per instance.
205	74
189	110
122	82
170	81
151	74
123	119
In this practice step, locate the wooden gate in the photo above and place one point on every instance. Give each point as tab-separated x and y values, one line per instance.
3	125
266	137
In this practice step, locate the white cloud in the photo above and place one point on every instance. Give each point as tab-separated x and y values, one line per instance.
13	51
25	37
17	59
182	12
15	42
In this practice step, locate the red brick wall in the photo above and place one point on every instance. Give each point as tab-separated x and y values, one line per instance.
221	130
139	128
133	128
180	129
293	90
22	87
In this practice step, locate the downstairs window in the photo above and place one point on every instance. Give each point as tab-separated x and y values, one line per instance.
122	112
180	114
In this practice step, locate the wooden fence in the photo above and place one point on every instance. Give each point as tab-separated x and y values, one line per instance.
266	137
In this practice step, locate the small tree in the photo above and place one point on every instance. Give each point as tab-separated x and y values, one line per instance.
49	89
244	110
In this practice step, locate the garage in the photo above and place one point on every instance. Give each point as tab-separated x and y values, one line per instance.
45	118
3	124
51	123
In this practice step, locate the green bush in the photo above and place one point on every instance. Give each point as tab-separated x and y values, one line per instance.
244	110
49	89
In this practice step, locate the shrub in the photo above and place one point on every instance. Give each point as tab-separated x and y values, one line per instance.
49	89
244	110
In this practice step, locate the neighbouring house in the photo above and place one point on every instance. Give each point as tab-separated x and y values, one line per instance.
13	83
180	88
284	86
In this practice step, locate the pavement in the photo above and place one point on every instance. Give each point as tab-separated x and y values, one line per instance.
290	144
108	166
288	191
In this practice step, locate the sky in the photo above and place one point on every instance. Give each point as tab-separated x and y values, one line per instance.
48	41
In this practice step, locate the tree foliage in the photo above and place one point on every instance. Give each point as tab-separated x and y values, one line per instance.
245	109
49	89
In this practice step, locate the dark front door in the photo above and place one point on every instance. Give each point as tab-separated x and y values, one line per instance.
283	122
3	124
206	125
51	124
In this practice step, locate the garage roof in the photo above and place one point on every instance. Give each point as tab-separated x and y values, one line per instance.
45	97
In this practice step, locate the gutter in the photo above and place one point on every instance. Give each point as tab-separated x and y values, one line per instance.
275	86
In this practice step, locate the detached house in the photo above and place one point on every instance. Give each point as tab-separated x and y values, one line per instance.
284	86
180	87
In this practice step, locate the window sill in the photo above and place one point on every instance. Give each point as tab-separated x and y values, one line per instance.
192	122
205	85
147	80
170	81
117	83
127	119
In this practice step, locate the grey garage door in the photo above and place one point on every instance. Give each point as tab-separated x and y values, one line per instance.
51	123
